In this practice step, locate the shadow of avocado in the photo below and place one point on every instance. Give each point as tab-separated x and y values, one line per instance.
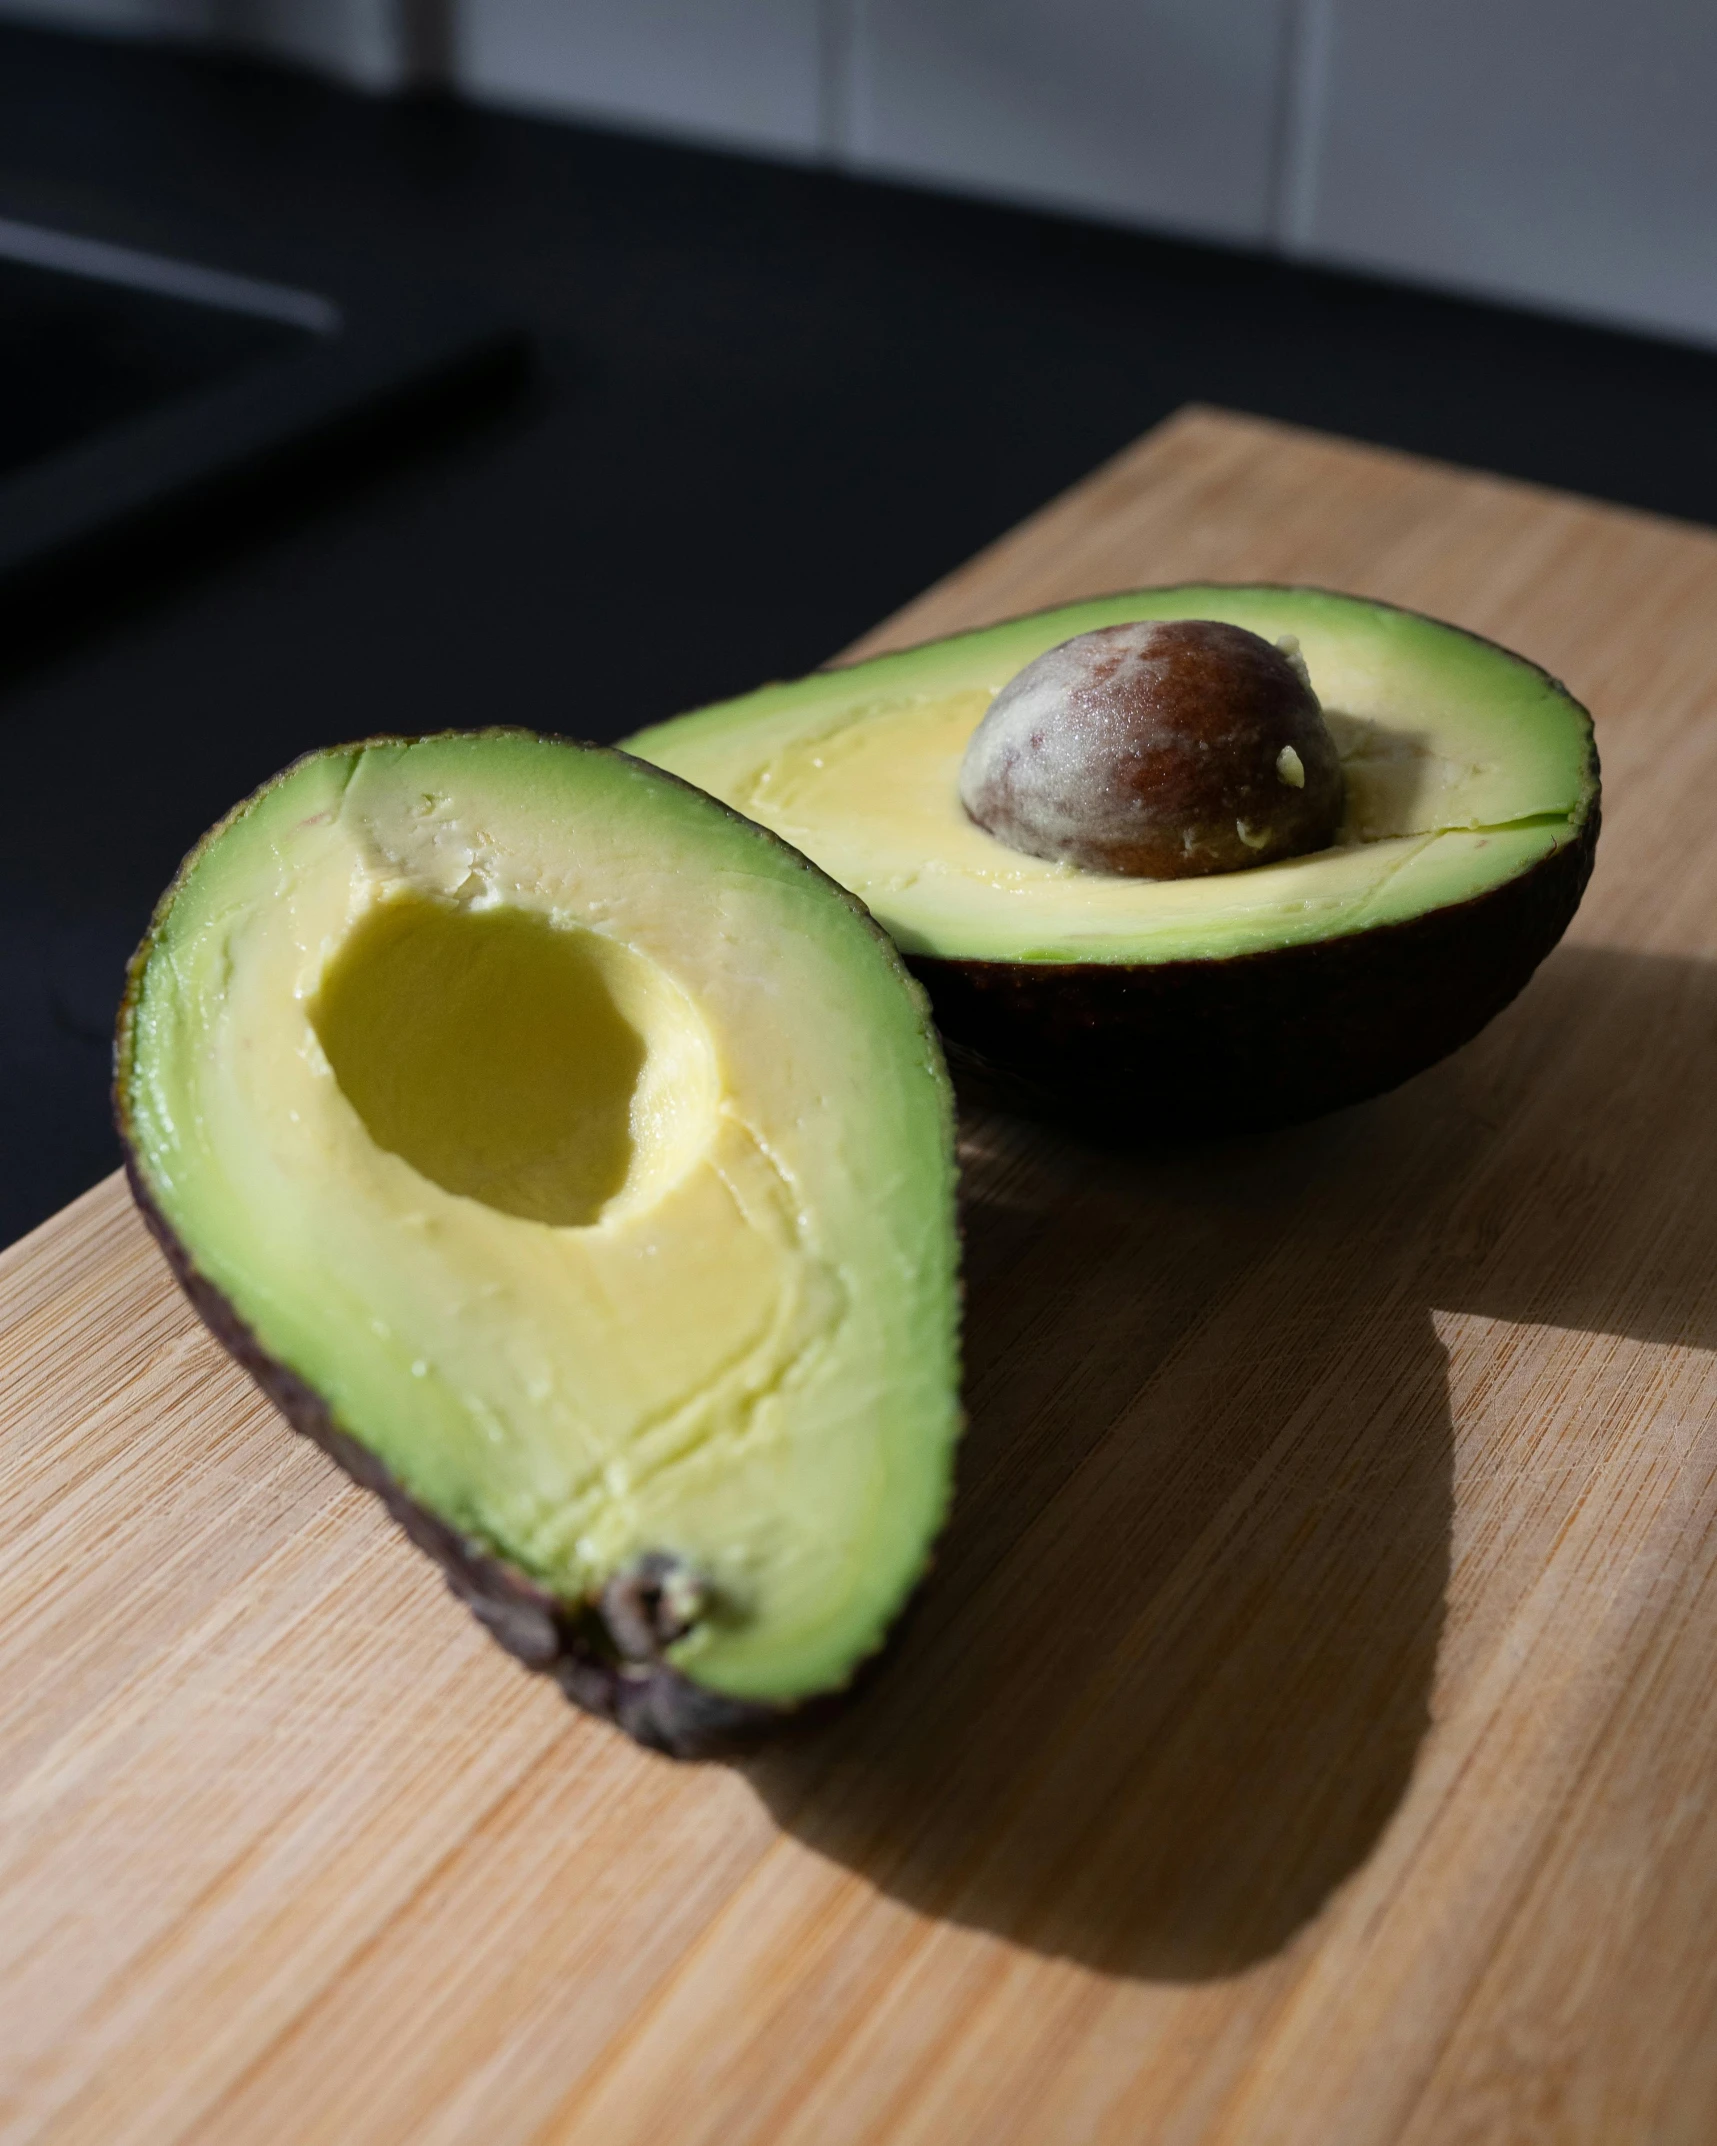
1166	1686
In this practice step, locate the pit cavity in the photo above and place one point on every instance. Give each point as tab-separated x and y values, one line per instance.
546	1070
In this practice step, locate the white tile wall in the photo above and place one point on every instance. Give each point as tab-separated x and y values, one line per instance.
745	71
1162	112
1563	151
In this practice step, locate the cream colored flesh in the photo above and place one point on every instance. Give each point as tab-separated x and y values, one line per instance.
1464	766
590	1156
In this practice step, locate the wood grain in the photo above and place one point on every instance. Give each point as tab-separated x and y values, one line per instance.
1309	1734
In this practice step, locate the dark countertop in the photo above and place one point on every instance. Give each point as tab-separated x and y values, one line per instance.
772	404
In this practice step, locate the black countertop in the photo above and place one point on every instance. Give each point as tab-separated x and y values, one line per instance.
772	404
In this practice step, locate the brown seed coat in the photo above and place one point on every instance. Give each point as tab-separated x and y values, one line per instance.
1155	750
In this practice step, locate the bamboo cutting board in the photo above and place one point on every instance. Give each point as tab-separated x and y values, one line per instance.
1309	1735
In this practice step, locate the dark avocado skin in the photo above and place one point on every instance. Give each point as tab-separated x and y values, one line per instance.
1153	1053
650	1701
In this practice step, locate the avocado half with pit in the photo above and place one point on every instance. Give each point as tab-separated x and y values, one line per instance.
1151	1007
573	1161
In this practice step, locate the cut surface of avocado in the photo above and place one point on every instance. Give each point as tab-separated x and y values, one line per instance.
1464	766
588	1155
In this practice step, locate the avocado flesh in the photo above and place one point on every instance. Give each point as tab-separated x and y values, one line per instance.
1465	767
588	1156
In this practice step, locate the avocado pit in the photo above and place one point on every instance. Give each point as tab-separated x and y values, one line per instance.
1158	749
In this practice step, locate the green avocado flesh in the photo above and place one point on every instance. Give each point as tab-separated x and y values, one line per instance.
589	1155
1464	766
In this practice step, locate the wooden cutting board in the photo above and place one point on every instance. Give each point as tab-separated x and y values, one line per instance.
1310	1733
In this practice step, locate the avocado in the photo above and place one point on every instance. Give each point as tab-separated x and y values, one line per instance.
574	1162
1144	1008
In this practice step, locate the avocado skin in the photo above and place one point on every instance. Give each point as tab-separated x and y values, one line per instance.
1146	1053
651	1702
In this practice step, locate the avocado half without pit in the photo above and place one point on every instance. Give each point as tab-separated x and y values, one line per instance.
1187	860
573	1161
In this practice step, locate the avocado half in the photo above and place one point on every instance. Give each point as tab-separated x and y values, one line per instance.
1149	1008
574	1162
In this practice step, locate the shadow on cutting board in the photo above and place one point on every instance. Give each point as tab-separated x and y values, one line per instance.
1166	1687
